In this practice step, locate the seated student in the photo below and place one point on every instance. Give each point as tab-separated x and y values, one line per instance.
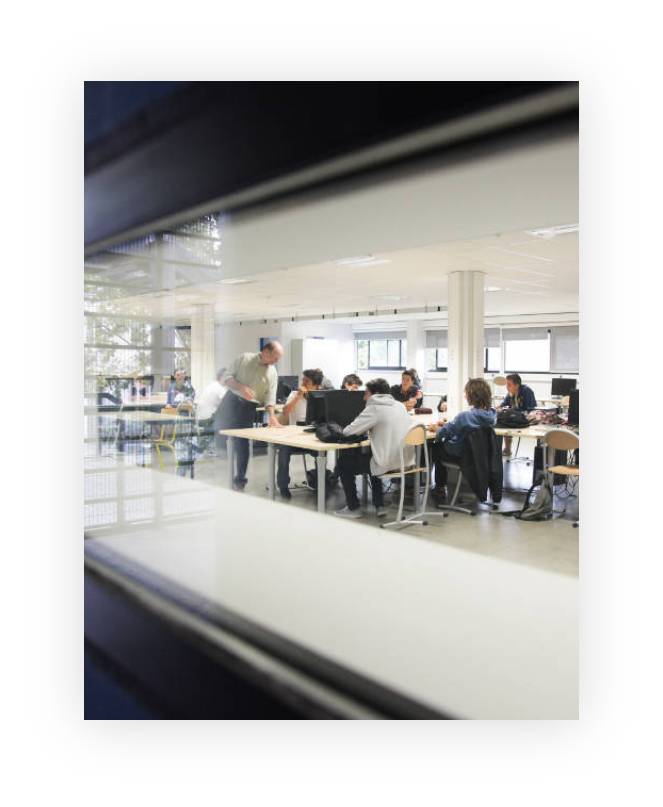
442	405
407	391
387	422
208	403
519	396
451	437
325	383
295	410
351	382
417	380
180	390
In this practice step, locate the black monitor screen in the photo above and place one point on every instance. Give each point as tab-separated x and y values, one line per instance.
287	383
343	406
574	407
562	386
316	410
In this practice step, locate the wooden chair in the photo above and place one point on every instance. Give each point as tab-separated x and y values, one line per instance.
562	440
415	437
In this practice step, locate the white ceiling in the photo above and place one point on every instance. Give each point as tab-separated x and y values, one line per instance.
473	216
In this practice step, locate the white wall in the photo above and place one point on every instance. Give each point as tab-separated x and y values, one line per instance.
234	339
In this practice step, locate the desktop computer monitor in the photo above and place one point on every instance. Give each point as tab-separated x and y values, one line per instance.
562	386
316	406
286	384
343	406
574	407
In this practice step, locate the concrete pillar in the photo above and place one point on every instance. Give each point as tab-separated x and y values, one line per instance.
465	335
416	356
202	346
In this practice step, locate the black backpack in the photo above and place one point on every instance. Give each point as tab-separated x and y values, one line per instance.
511	419
333	433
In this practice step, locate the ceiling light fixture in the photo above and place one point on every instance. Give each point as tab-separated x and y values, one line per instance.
386	297
360	260
235	281
551	232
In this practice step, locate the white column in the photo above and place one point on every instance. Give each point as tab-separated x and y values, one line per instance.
465	335
415	346
202	346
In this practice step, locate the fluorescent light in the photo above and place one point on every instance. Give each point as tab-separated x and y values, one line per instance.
360	260
386	297
236	281
493	288
551	232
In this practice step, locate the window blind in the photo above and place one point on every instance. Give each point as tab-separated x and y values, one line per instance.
524	334
436	339
491	337
564	353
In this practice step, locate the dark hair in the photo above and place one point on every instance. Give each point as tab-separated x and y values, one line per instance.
351	378
378	386
478	393
412	375
515	378
414	372
314	376
220	374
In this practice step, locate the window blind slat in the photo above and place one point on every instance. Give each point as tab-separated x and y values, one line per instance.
436	339
491	337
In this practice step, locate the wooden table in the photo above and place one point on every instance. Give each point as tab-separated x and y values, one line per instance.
141	416
297	437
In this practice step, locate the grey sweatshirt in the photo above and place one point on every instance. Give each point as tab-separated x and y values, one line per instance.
388	423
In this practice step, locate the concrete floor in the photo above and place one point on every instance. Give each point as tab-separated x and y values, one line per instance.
552	545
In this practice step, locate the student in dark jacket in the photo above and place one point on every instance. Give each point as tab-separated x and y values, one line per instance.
518	396
451	438
407	391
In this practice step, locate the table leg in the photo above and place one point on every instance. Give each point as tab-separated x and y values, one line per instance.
321	462
230	442
271	463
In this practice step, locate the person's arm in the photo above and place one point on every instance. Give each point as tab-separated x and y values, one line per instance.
244	391
293	400
364	421
273	422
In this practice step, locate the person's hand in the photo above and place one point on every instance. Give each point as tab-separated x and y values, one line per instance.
411	403
432	427
302	390
443	407
247	393
274	424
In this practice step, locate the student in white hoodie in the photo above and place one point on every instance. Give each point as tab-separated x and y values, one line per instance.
387	422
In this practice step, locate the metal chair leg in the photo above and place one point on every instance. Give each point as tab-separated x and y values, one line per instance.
453	506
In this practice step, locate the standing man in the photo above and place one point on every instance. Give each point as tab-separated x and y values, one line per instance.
251	380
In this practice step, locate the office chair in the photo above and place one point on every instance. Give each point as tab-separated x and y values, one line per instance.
416	436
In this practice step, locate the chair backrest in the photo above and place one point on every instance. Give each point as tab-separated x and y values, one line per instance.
499	381
169	410
185	407
416	436
562	439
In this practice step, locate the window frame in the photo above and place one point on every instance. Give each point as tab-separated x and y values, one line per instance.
391	368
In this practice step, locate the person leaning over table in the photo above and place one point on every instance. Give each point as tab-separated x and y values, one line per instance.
450	437
518	396
295	410
180	390
252	381
387	422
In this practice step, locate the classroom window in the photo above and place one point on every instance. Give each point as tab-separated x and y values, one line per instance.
437	359
491	360
528	355
381	354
